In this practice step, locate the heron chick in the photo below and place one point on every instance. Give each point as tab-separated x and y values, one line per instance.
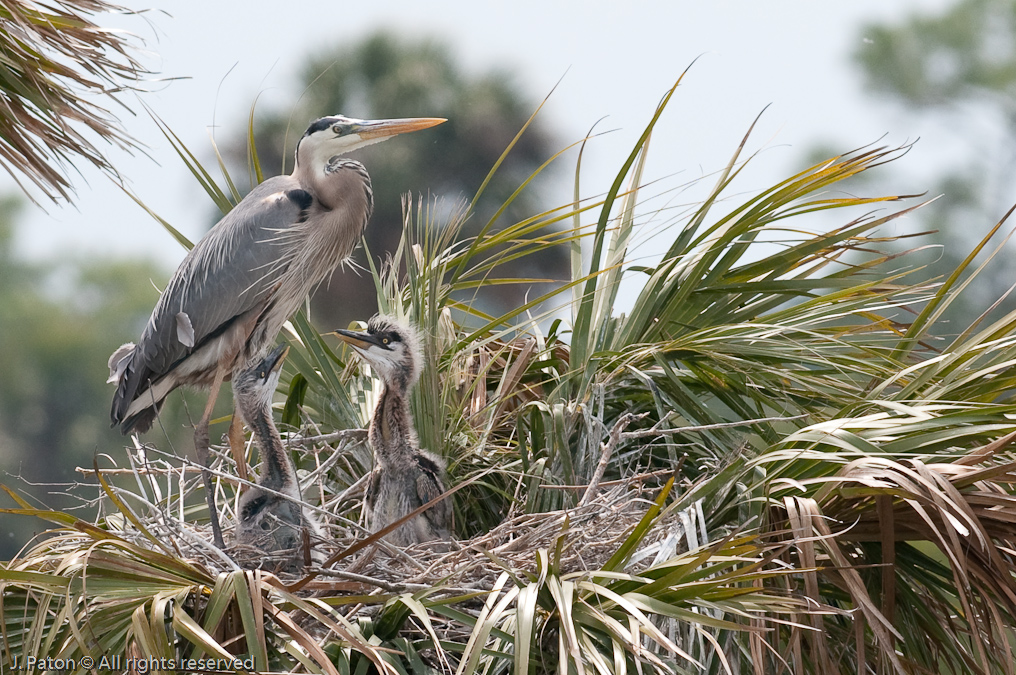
405	477
228	299
270	515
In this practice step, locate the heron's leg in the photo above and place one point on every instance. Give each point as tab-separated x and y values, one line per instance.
238	445
201	446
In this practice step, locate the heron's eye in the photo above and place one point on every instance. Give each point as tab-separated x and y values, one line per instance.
262	374
339	129
385	341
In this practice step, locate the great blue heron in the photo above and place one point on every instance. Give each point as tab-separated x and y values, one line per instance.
270	521
228	299
405	477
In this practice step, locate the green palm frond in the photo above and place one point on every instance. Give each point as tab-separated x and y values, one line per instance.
97	595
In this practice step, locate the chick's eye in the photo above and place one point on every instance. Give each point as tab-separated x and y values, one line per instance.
385	341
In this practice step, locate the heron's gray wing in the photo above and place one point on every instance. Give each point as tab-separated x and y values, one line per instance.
429	486
229	272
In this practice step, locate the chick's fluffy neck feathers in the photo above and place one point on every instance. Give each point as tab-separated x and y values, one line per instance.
392	433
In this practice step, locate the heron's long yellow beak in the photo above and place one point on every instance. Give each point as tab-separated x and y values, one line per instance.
376	129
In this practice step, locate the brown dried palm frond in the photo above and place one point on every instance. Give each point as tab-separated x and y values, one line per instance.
55	64
920	544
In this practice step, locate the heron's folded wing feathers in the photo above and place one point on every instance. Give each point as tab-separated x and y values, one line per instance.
225	275
428	488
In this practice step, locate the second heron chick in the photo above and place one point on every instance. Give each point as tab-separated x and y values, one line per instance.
270	515
405	477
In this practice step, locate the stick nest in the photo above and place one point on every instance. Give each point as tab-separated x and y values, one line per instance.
166	499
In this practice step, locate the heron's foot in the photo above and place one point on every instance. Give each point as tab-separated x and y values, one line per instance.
202	444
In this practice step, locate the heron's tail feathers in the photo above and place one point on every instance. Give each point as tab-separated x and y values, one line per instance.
140	422
129	410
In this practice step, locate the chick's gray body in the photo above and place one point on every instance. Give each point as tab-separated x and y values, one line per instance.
269	521
405	477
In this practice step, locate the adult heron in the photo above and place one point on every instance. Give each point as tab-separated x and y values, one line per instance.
404	477
228	299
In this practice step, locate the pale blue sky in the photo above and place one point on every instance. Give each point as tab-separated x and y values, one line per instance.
616	60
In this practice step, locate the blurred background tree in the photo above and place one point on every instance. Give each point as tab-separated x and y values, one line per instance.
58	318
960	65
61	319
386	75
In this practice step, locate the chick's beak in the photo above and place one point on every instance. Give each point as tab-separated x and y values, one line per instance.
276	357
355	338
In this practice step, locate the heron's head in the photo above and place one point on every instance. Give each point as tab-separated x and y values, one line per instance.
336	135
391	348
255	386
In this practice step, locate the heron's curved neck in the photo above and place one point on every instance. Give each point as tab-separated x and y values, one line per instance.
276	467
310	175
392	435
